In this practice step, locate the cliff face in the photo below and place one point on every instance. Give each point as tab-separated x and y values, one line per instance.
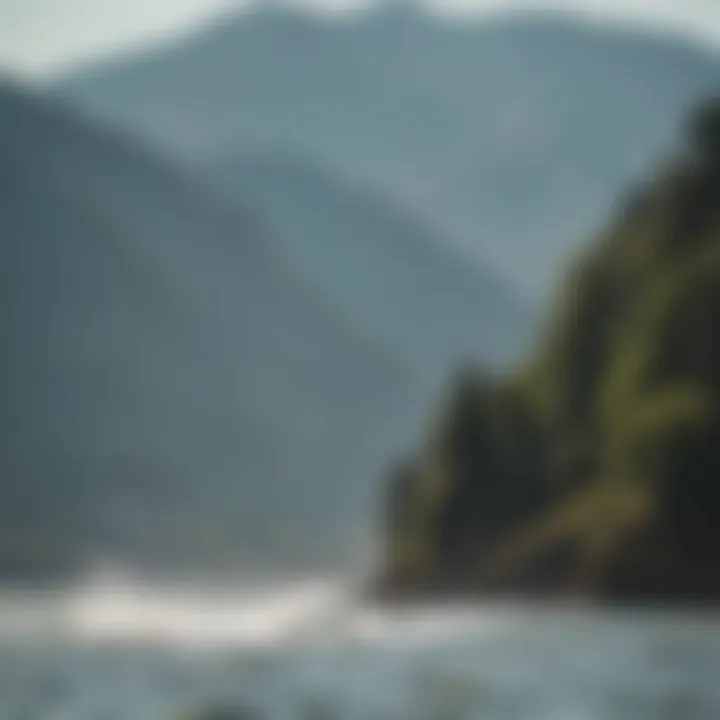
594	470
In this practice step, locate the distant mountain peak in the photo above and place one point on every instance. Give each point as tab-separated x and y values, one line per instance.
492	130
400	8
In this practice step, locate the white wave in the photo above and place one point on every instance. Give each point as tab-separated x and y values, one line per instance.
113	606
197	615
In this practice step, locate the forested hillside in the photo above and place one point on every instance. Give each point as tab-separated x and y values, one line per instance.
594	470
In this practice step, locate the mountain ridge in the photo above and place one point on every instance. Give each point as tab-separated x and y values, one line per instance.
512	138
386	271
165	373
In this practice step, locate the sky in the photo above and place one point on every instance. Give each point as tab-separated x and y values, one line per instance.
41	37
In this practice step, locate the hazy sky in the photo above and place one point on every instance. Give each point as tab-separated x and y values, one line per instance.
39	37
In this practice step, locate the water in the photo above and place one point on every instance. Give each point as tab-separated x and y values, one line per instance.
307	652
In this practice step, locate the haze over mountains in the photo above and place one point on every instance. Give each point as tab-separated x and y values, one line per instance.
386	272
512	138
170	386
236	270
205	371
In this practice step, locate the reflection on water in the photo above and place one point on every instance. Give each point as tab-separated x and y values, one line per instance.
308	652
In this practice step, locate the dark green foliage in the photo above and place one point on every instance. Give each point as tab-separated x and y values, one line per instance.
484	467
597	466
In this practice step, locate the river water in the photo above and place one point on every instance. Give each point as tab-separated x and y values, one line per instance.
306	651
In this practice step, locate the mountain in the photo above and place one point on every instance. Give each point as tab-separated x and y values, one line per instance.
386	272
511	137
172	392
592	471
